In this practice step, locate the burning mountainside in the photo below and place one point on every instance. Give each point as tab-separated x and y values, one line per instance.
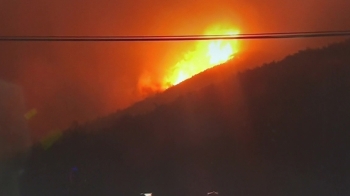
206	54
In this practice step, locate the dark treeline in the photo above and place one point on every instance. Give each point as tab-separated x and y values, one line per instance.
280	129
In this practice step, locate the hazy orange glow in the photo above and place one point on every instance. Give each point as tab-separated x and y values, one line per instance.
205	55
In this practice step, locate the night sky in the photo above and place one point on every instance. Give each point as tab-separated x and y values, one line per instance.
81	81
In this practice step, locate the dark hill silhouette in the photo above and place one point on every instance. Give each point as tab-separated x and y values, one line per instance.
205	78
280	129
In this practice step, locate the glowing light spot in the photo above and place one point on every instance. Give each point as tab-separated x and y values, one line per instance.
51	138
30	114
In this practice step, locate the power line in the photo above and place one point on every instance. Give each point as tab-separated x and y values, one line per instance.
283	35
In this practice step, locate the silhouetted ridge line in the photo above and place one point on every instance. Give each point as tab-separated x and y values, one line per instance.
280	129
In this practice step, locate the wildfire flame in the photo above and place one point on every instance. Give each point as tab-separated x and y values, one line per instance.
205	55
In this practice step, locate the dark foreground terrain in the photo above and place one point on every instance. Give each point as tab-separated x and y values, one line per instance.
280	129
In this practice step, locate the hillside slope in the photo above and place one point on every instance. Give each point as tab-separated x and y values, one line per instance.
280	129
211	76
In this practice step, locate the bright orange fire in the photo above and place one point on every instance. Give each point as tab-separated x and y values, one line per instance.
207	54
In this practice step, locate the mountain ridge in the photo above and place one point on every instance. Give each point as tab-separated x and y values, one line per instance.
279	129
